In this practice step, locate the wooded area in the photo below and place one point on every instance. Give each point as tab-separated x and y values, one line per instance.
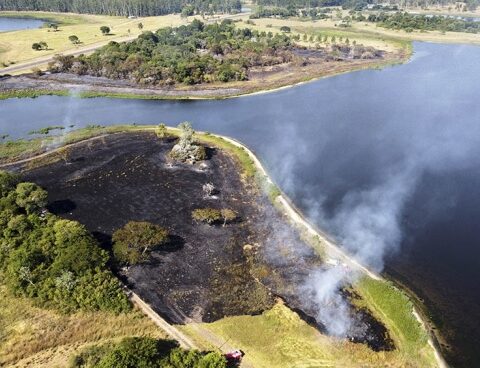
123	7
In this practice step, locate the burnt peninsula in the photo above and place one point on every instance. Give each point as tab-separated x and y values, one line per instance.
205	272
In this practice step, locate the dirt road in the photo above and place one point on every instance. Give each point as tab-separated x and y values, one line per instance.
41	61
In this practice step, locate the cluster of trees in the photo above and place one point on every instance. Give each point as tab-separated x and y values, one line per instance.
190	54
410	22
38	46
146	352
55	262
123	7
294	6
361	4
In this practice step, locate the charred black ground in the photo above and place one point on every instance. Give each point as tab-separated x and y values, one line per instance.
205	272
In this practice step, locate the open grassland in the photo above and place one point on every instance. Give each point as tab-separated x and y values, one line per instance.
16	46
35	337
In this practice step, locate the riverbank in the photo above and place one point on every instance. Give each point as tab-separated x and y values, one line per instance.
281	77
389	303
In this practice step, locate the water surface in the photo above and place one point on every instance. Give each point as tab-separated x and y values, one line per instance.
15	24
387	161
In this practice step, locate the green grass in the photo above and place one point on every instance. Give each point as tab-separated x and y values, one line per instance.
394	308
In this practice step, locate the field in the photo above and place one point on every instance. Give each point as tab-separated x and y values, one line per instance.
16	46
35	337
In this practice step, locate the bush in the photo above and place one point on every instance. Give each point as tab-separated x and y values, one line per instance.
133	242
212	216
146	352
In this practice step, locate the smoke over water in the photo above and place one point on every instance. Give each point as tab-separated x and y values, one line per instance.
366	218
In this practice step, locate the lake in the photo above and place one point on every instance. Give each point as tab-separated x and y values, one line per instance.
387	161
15	24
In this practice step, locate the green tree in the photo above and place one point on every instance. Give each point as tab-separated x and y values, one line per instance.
30	197
74	39
161	131
133	242
8	182
140	26
105	30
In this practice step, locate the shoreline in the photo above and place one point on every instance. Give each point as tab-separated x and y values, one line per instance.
287	208
92	91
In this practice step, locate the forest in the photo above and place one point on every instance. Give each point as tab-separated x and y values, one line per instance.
190	54
359	4
55	262
410	22
124	7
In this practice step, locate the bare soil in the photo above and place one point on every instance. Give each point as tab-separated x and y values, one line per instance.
205	272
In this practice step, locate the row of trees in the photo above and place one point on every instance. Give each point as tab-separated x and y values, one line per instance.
410	22
54	261
190	54
123	7
146	352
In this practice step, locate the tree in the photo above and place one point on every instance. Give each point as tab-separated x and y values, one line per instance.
8	182
187	11
74	39
161	131
140	26
30	197
228	215
53	26
40	46
105	30
133	242
285	29
185	150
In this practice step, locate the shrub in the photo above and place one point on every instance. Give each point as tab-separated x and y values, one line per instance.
212	216
145	352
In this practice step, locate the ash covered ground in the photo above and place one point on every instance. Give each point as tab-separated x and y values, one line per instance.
205	272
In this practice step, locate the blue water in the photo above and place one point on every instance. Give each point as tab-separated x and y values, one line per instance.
14	24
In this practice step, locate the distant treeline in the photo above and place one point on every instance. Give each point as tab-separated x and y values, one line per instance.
360	4
123	7
410	22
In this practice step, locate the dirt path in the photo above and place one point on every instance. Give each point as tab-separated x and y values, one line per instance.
184	341
48	153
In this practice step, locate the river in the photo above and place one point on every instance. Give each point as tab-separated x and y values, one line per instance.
387	161
15	24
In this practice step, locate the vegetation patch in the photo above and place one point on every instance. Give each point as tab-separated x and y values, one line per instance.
145	352
55	262
133	242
